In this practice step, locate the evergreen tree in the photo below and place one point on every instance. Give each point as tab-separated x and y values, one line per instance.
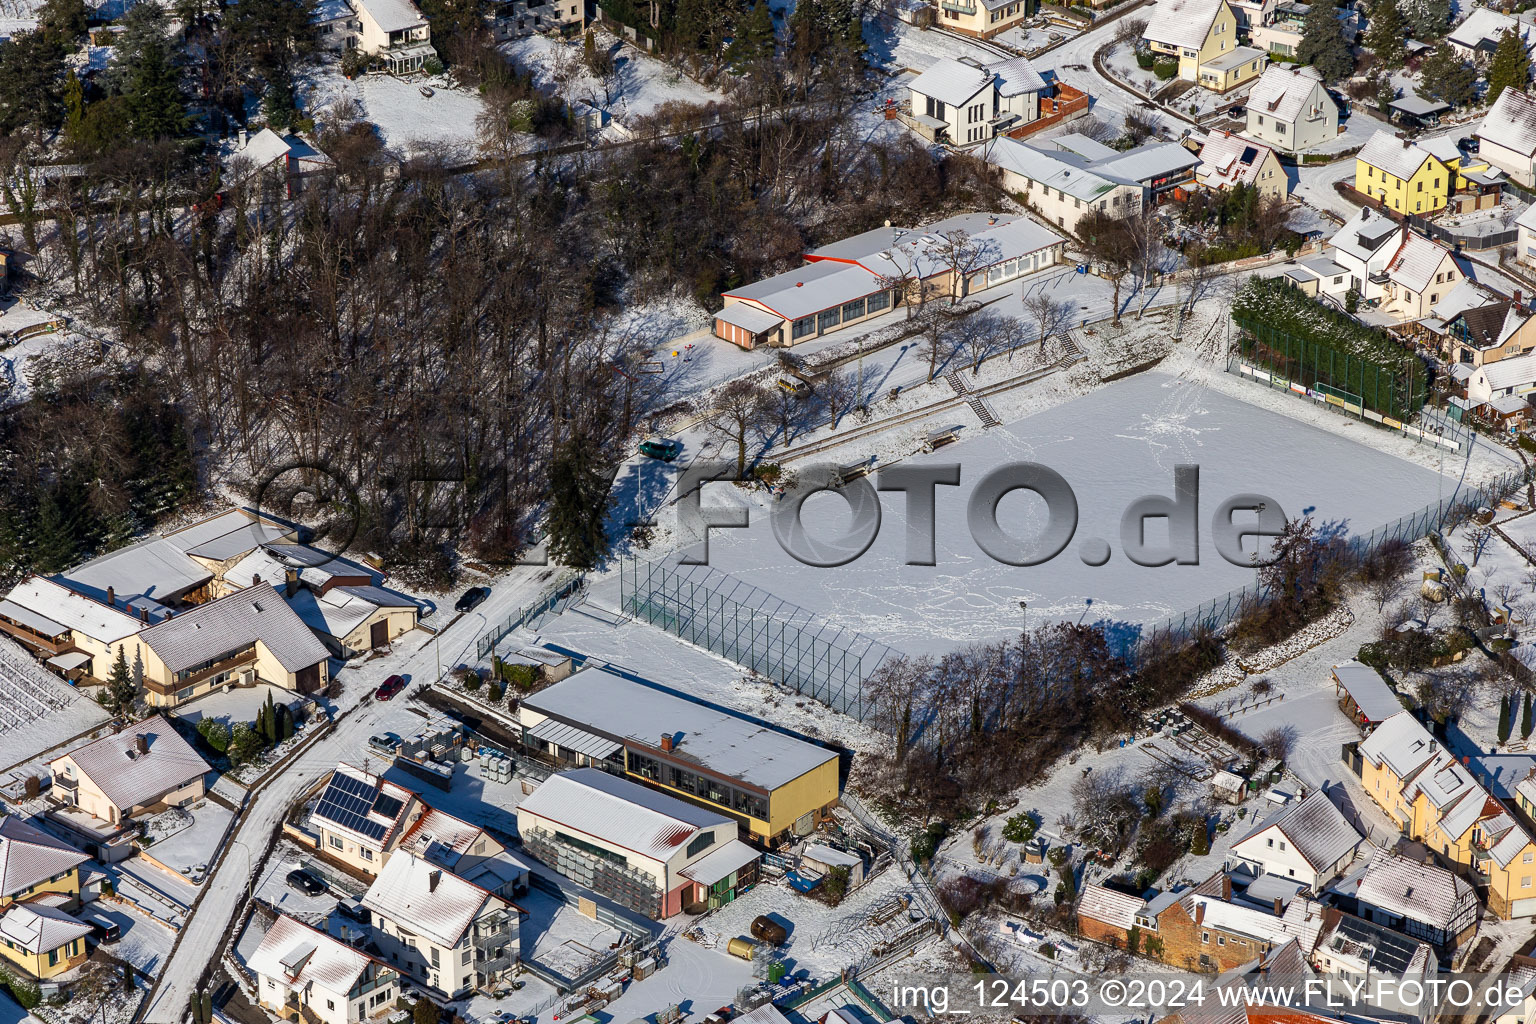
1526	723
689	24
754	40
1427	19
1445	76
1510	67
56	533
287	717
62	21
121	691
31	84
1504	716
1322	42
578	504
270	721
261	723
155	105
1384	37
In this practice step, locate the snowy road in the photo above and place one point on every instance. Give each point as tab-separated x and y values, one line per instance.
1110	101
202	935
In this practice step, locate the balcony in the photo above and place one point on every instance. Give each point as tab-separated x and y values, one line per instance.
958	8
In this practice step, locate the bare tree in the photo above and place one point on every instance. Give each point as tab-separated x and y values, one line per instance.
1129	30
896	691
1478	536
1280	741
839	393
1050	315
739	408
963	255
1112	246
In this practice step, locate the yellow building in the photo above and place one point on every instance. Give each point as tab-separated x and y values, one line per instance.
1403	177
42	940
983	18
34	863
1202	36
772	783
1434	799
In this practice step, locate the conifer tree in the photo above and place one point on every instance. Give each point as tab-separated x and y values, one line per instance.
1504	716
578	504
754	40
1322	42
1445	76
1385	35
1525	718
121	690
1510	67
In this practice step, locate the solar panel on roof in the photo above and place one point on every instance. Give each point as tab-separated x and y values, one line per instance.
346	802
387	806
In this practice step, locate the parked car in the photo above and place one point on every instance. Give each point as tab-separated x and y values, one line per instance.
355	912
1237	111
384	742
306	883
1470	144
794	385
663	448
392	686
472	598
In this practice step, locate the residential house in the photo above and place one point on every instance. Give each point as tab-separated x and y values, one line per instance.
145	767
650	852
1363	695
850	282
1308	840
1509	383
1418	274
446	934
282	162
1491	331
983	19
1063	181
1290	109
1507	136
1476	38
1521	971
1251	14
34	863
769	782
41	939
1436	800
1403	177
1525	247
1420	900
361	818
303	972
1203	36
1200	927
1352	947
964	102
395	33
1228	160
1282	33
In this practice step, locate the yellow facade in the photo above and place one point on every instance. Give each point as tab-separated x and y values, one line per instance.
47	964
1220	38
1428	190
810	792
66	884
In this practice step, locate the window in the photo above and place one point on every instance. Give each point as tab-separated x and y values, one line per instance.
1221	940
805	325
827	319
367	853
53	957
435	962
464	958
1205	936
701	842
1525	883
853	310
1271	843
1279	127
1282	844
879	301
336	842
330	1004
1421	187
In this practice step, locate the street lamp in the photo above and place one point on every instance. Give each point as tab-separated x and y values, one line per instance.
1024	610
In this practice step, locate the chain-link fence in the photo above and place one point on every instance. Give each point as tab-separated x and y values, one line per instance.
754	629
1219	612
554	601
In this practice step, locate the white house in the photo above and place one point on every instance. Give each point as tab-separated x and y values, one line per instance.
1063	181
964	102
1289	108
395	32
448	934
1508	136
300	969
1506	378
1525	247
1308	840
1404	273
1418	899
1478	36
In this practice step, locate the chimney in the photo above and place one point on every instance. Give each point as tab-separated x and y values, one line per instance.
141	744
291	584
144	615
666	743
112	593
255	579
432	880
1517	296
1279	907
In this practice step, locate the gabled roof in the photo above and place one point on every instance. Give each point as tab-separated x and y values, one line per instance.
1062	170
53	608
952	81
1282	91
1420	892
29	855
1514	372
1377	946
1315	828
1417	259
256	614
1147	162
38	928
1511	122
1227	160
131	779
367	807
297	955
1116	909
1484	27
593	803
1365	234
1016	76
1182	22
1369	691
441	838
427	899
393	15
1398	157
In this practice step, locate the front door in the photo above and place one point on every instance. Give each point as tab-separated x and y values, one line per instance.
379	634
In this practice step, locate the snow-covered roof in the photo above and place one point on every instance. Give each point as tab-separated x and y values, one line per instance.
1148	162
495	872
131	779
1466	295
1057	170
1397	157
1228	159
612	706
1515	372
1368	690
263	148
393	15
340	610
1508	405
52	608
1234	57
1282	91
765	1014
951	81
368	807
1414	264
29	855
297	956
1511	122
748	317
441	838
1365	234
256	614
1016	75
1315	828
620	812
39	929
1082	145
272	562
1183	23
821	853
1481	27
1108	906
1527	218
1302	920
809	289
1420	892
724	859
427	899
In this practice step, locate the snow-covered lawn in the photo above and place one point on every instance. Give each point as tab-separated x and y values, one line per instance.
1120	61
894	44
558	936
407	120
145	941
639	85
18	16
1030	39
188	840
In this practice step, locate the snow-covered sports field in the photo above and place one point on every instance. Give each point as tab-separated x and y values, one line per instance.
1118	443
